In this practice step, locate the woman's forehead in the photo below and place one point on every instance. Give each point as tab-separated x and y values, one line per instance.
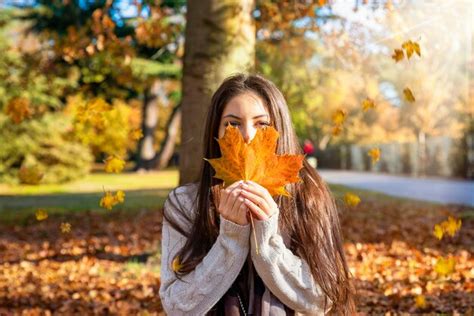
245	104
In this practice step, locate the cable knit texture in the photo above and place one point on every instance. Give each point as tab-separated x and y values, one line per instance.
287	276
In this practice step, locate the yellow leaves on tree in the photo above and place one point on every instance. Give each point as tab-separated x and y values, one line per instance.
408	94
114	164
445	266
351	199
30	175
109	200
18	109
136	134
105	128
374	154
255	161
450	226
41	214
92	112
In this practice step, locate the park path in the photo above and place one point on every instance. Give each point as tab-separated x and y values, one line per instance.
439	190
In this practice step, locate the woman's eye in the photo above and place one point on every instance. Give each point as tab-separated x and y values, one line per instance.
232	123
263	123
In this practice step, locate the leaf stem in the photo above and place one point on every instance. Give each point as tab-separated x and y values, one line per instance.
254	235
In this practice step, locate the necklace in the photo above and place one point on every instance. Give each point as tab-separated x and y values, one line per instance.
241	305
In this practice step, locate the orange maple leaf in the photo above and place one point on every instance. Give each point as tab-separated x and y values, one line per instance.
256	161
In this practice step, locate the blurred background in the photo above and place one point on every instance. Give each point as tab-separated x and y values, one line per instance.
102	105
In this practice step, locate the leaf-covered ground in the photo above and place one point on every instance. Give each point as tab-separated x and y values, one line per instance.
109	262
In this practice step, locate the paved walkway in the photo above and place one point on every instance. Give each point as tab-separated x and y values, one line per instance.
428	189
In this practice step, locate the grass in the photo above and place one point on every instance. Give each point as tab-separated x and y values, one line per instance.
96	182
143	191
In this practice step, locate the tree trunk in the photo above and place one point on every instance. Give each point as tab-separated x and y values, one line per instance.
146	148
220	40
167	146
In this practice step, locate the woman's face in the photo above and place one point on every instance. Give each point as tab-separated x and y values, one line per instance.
247	112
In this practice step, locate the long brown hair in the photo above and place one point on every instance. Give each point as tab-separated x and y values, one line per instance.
309	217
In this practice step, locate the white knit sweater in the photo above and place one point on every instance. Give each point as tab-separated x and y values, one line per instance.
287	276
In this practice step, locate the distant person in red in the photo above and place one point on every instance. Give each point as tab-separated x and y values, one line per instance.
308	147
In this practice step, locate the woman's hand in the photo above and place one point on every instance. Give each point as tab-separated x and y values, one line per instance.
258	200
232	206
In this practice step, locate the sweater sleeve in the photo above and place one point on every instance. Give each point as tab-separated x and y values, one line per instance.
197	292
286	275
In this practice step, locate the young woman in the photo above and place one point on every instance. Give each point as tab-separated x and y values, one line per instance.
209	263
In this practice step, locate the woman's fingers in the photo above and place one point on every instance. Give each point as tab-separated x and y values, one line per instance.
259	213
259	189
226	193
257	200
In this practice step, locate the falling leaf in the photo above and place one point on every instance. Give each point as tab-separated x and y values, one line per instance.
397	55
108	200
41	214
18	109
256	161
411	47
451	226
368	104
339	116
65	228
374	153
408	95
445	266
30	175
176	265
136	134
120	196
114	164
420	301
438	231
336	130
351	199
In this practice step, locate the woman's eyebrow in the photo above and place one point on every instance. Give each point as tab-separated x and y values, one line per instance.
235	116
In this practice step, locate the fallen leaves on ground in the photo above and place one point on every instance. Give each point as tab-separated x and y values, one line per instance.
109	263
392	254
